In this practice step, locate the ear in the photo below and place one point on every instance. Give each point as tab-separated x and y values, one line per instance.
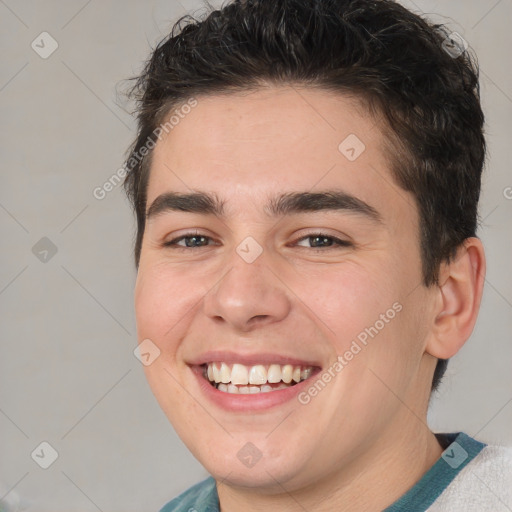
459	293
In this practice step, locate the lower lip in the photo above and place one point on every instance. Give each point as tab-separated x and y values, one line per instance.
248	402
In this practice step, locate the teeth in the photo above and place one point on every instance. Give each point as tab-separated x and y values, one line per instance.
225	373
216	373
232	388
258	375
274	374
239	374
287	373
238	378
249	390
305	374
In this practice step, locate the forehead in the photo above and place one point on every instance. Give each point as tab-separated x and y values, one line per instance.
244	146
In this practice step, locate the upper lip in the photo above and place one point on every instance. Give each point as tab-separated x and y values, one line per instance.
250	359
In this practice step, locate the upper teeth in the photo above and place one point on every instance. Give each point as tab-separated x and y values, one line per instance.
257	374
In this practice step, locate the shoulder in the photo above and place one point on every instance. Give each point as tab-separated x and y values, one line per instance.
485	484
202	497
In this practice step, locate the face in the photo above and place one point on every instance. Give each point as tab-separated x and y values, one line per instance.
304	265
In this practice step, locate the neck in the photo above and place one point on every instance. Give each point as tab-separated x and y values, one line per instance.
389	468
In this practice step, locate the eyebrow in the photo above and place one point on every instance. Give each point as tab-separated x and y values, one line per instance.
284	204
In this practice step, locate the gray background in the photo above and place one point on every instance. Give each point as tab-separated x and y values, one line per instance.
68	375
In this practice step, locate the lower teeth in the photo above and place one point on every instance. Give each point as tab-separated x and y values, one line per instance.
246	390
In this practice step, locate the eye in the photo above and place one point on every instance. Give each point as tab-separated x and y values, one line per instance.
316	241
190	241
320	241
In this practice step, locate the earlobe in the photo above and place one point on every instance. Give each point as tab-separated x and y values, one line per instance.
459	295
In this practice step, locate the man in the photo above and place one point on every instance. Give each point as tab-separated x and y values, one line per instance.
306	178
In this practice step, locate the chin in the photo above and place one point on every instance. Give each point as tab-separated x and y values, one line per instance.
240	463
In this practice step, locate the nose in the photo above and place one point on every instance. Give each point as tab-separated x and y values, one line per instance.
250	295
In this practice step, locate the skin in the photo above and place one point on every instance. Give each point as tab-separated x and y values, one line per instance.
362	441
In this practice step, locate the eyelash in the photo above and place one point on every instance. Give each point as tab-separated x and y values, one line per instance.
172	244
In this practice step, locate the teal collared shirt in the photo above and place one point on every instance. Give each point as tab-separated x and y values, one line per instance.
459	452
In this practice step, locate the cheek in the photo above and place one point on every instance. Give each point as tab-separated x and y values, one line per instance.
162	300
346	299
369	322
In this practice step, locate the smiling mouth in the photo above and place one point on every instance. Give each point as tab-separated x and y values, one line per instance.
241	379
